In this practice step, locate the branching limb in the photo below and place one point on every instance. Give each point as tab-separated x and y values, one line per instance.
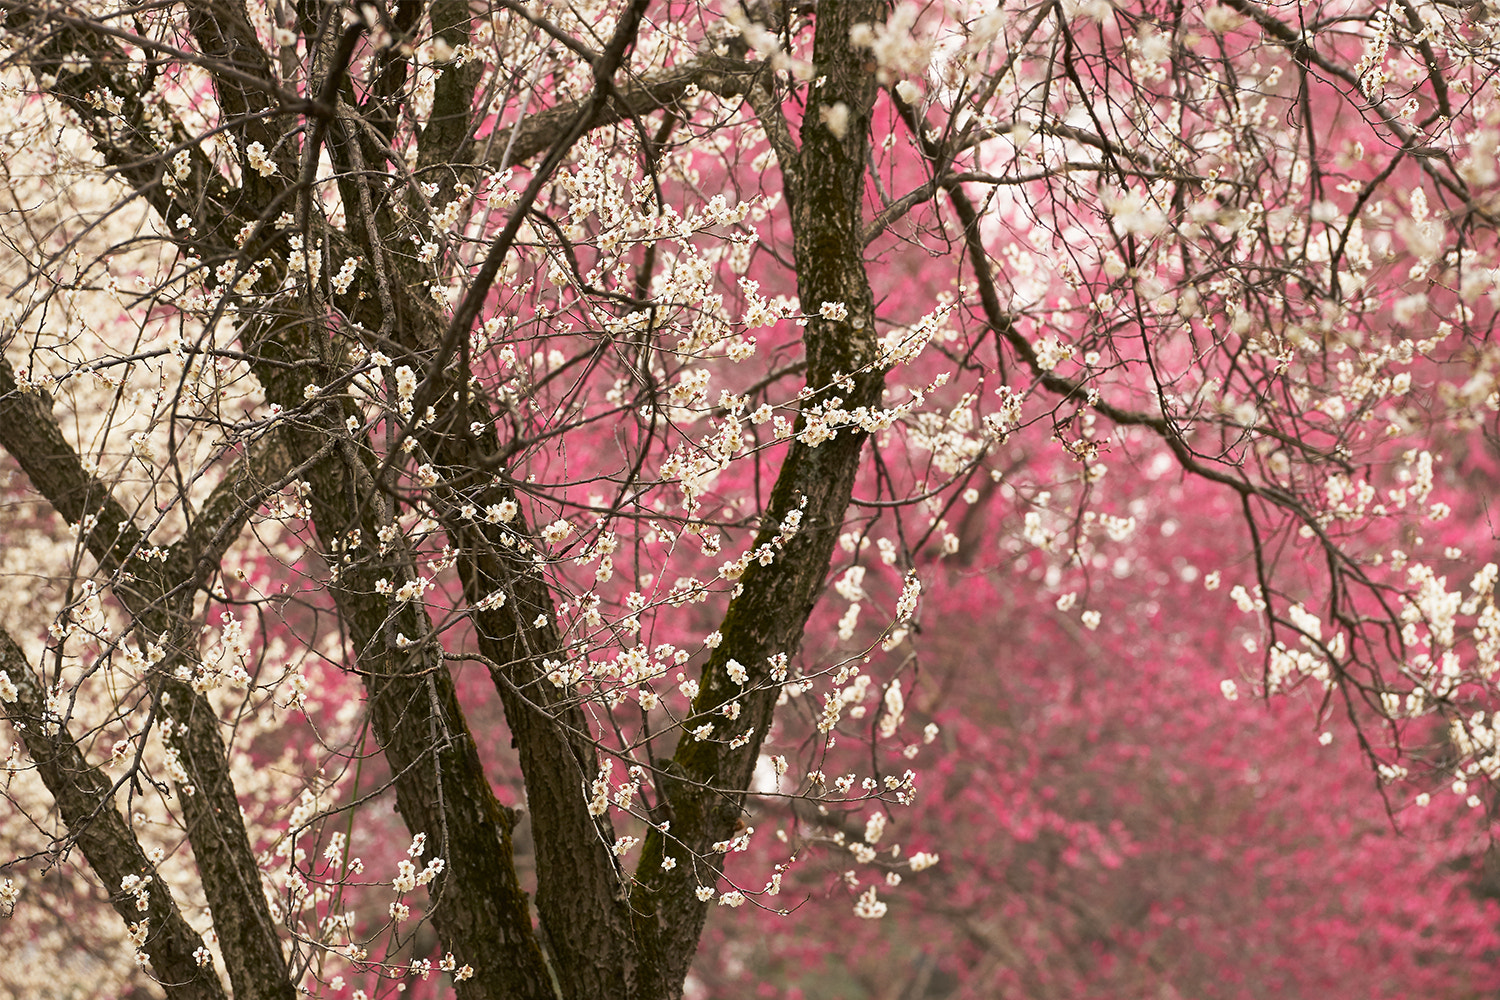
704	782
160	599
85	803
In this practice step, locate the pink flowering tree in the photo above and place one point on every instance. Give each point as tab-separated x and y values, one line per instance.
469	461
1109	824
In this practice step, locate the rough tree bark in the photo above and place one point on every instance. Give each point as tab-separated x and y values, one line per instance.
602	935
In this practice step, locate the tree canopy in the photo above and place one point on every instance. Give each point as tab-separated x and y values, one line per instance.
473	469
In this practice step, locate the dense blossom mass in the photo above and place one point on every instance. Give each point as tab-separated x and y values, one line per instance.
495	495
